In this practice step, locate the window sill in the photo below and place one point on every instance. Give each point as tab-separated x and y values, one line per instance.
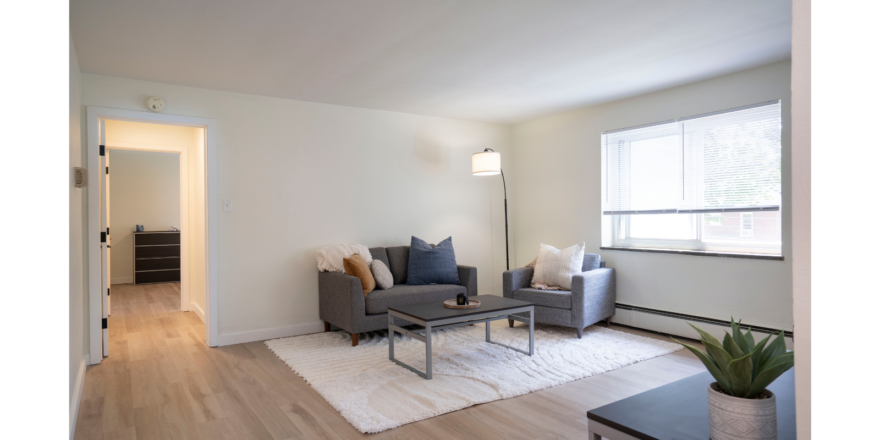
700	253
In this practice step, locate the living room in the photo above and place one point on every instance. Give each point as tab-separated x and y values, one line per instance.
447	220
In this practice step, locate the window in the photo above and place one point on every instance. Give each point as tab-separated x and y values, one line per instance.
746	224
710	183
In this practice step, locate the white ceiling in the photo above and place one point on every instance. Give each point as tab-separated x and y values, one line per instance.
502	61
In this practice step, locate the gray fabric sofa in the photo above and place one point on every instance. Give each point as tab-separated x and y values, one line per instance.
341	300
591	299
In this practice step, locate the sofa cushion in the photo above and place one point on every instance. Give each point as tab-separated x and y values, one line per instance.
355	265
591	262
432	265
383	277
555	267
379	300
398	259
558	299
379	253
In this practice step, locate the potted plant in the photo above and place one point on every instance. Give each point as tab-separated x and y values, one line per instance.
740	406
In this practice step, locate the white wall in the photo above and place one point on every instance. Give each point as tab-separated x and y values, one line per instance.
803	211
145	190
304	175
78	309
556	177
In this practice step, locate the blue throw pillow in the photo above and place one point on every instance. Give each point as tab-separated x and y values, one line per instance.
427	266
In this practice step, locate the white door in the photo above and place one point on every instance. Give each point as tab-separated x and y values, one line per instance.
107	219
105	251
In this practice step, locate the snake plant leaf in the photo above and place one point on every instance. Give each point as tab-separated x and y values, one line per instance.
779	365
772	351
709	363
750	340
740	375
756	356
705	337
731	347
739	338
721	357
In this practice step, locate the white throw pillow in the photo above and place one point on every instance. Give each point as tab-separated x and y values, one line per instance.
555	267
330	257
382	275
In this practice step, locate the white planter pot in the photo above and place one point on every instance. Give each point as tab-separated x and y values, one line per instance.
735	418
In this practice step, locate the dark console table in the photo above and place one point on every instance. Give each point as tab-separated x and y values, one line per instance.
156	257
680	411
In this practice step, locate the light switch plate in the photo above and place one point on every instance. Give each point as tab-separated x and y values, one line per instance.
227	205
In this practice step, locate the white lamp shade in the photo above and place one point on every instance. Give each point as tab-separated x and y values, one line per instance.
486	163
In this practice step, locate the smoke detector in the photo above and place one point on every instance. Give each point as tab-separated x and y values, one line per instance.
155	104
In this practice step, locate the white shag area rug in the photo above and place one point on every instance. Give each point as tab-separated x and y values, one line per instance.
375	394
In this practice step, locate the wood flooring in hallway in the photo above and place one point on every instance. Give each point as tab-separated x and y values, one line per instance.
161	382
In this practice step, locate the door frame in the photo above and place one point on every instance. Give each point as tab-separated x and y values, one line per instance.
93	116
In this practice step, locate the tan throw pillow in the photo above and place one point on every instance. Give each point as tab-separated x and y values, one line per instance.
384	279
355	265
555	267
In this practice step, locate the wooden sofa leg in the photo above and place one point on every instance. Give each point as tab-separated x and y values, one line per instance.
510	323
608	322
580	333
326	326
354	339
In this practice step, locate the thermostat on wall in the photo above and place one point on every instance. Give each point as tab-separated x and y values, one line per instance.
155	104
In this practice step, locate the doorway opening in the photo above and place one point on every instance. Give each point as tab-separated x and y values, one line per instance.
144	214
161	182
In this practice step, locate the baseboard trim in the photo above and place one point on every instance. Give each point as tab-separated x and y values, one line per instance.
127	280
193	307
675	324
77	394
270	333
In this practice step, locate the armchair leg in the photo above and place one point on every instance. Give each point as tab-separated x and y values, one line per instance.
510	323
326	326
354	339
608	322
580	333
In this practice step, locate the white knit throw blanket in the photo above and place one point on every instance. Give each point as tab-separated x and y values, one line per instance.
330	257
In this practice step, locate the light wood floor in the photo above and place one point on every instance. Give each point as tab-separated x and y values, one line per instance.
161	382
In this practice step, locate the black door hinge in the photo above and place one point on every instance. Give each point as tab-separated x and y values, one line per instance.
108	291
108	231
103	323
103	237
108	170
101	153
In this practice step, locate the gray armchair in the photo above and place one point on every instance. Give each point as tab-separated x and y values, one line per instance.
341	300
591	299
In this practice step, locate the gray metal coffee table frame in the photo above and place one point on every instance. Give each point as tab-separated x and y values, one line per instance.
487	318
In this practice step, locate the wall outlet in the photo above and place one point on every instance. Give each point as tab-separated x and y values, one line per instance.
227	205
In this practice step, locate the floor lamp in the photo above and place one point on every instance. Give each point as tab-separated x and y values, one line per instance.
488	163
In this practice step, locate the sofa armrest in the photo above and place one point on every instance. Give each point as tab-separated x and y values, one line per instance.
593	296
468	277
516	279
340	299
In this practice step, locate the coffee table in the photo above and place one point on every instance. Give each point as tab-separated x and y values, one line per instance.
433	316
680	410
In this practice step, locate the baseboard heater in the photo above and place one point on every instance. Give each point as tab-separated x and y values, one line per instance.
703	319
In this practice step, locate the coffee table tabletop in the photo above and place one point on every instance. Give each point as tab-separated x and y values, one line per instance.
680	410
434	316
434	311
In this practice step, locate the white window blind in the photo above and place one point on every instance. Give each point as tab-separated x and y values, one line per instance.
718	162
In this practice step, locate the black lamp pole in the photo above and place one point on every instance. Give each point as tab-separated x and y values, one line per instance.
506	244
